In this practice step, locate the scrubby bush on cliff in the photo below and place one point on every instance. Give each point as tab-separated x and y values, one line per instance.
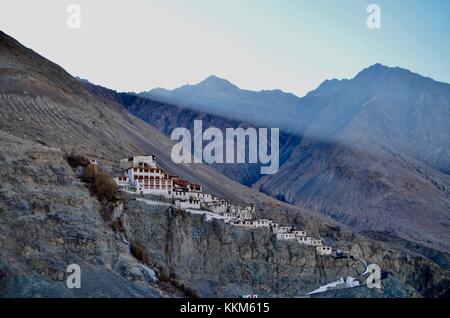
118	225
101	184
139	251
104	187
188	291
90	172
77	161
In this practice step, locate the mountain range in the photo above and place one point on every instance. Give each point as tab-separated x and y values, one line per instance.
217	96
372	152
50	218
397	108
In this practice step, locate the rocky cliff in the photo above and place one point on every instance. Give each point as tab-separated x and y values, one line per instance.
48	221
220	260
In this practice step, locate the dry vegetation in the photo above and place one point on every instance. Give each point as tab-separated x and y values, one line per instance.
77	161
139	251
101	185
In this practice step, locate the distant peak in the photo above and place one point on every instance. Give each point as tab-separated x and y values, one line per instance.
378	66
380	69
375	68
213	78
214	81
382	73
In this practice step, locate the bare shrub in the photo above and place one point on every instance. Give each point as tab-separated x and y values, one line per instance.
139	251
118	225
107	211
105	188
77	161
90	173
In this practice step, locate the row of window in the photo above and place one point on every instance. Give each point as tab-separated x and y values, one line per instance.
151	178
151	186
154	181
146	170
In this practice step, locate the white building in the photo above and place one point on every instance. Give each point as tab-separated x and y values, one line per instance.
241	212
122	182
138	161
341	253
323	250
244	223
286	236
180	194
184	194
252	223
249	223
203	196
262	223
239	215
144	177
217	206
299	233
316	242
241	209
282	229
148	180
193	187
142	174
188	204
306	240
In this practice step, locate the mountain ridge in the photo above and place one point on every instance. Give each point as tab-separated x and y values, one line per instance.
382	114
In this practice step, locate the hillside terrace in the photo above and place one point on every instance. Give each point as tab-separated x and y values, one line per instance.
150	184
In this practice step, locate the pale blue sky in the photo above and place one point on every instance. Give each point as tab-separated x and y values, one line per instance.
292	45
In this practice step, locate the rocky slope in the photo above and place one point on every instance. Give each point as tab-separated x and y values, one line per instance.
369	191
41	102
48	221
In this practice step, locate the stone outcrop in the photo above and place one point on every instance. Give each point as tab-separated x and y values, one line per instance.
48	220
219	260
